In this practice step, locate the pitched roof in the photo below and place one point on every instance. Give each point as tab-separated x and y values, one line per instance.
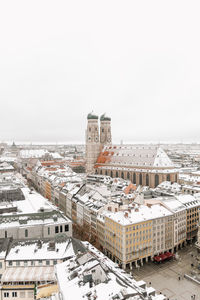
135	156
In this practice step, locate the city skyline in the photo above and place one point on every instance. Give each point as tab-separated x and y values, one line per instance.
99	150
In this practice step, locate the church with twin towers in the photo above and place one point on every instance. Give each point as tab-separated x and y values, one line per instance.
146	165
96	138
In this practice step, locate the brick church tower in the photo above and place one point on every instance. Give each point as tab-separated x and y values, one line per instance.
94	144
105	130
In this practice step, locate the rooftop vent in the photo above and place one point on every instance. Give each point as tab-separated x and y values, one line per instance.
126	214
55	218
51	246
39	244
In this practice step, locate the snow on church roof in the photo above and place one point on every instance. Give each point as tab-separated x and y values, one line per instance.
135	156
162	159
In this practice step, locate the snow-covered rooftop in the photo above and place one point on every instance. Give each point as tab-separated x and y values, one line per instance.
44	249
139	214
33	153
96	276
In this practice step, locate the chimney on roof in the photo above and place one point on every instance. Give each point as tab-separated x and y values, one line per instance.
39	244
126	214
51	246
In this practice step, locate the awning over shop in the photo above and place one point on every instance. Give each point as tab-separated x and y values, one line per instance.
169	254
164	256
157	258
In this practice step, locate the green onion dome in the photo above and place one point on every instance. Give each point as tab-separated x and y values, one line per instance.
92	116
105	118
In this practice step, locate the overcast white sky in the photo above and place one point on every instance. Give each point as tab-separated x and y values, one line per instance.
138	61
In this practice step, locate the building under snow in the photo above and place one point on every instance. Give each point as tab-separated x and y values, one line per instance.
31	216
92	275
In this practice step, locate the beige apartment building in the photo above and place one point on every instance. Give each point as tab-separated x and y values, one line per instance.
137	234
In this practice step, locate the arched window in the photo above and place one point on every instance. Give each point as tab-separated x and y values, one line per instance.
140	179
96	171
106	173
101	172
117	174
147	179
111	174
26	232
134	178
168	177
156	180
128	175
122	175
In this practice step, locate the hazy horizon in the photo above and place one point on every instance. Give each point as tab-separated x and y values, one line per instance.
28	143
138	61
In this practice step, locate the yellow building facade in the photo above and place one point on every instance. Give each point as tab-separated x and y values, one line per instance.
128	244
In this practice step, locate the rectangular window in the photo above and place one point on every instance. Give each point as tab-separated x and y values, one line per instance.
0	264
56	229
14	294
55	262
48	230
47	262
17	263
40	262
10	263
60	228
6	294
66	227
